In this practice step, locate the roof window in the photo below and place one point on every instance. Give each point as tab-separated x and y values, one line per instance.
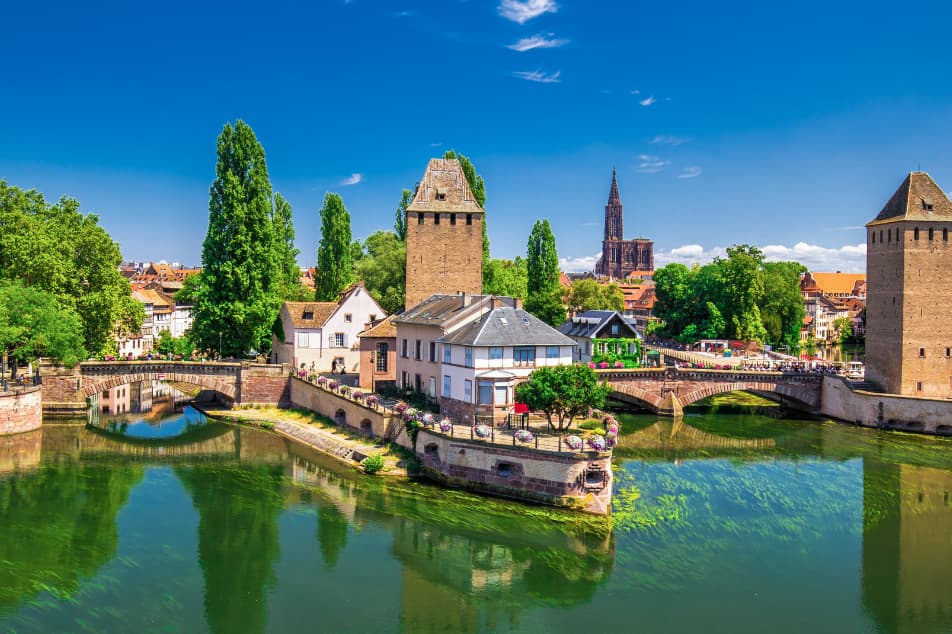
440	194
926	205
307	315
504	321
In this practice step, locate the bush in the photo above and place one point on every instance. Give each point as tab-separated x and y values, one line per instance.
373	464
590	424
266	424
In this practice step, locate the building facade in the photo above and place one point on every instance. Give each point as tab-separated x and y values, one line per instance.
621	258
909	293
444	235
378	355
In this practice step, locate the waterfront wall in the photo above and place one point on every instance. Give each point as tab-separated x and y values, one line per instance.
360	417
581	481
21	410
885	411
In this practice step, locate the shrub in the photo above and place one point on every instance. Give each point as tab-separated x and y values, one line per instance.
590	424
373	464
267	424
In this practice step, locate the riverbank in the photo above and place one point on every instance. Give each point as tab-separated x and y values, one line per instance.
318	433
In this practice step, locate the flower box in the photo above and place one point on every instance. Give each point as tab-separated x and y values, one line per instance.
482	431
574	442
597	442
446	426
523	435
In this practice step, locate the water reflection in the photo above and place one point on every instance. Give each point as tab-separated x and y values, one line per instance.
145	409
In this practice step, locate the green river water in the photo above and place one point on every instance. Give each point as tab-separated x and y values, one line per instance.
722	522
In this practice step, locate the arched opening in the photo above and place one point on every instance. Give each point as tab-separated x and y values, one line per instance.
366	427
340	417
431	454
945	430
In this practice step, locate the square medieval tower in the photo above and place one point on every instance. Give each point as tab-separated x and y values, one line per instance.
444	235
909	292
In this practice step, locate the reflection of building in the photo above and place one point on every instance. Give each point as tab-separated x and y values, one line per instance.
115	400
907	560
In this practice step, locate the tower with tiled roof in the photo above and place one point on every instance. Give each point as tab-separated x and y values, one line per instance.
620	258
909	292
444	235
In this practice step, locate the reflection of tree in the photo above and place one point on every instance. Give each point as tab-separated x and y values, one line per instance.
59	526
331	533
238	540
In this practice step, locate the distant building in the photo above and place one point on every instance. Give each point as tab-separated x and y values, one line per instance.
378	354
834	285
621	258
444	235
909	298
588	328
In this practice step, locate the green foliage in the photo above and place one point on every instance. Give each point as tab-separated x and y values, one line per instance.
843	327
335	253
383	269
285	253
239	294
543	292
266	424
400	217
189	292
618	349
57	249
740	297
587	294
547	306
180	346
590	424
563	392
508	278
373	464
34	324
478	187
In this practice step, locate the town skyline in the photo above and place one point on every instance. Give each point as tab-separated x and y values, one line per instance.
748	127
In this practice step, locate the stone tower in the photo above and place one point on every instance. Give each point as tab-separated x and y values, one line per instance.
909	291
620	257
444	235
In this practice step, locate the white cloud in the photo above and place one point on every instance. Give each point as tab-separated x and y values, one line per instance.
353	179
522	12
579	264
648	101
848	258
539	76
650	164
691	172
437	144
669	140
634	91
537	41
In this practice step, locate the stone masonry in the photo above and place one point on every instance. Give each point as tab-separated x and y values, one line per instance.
20	410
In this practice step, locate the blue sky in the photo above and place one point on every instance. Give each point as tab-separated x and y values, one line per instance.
784	126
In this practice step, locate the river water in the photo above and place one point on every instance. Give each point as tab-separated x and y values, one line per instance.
163	522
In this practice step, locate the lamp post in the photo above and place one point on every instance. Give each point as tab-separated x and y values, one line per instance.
373	369
219	345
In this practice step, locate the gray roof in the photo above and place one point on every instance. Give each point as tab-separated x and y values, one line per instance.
507	326
437	309
590	323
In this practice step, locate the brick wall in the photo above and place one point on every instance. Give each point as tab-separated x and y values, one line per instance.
443	258
21	410
264	384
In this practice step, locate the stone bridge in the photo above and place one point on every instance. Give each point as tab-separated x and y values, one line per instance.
667	391
66	390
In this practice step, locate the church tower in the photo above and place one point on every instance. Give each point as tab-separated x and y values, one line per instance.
444	235
620	257
909	293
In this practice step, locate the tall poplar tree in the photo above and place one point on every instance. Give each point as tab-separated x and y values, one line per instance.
543	297
238	299
285	251
400	218
335	258
478	187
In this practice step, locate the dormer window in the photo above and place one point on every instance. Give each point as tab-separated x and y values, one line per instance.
307	315
927	206
440	194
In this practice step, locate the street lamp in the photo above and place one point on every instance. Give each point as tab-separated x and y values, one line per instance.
373	369
219	345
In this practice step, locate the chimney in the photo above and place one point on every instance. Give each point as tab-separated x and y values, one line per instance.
462	299
518	303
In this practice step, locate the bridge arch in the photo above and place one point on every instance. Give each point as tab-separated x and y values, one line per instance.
713	389
97	385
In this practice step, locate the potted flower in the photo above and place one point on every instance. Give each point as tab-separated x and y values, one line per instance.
619	364
427	420
372	400
574	442
357	395
322	380
446	425
333	385
611	440
482	431
597	442
409	414
523	435
400	407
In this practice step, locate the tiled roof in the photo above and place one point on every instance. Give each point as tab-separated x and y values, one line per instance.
918	198
444	188
838	283
507	326
436	309
383	329
318	313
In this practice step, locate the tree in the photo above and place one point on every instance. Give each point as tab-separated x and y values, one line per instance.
743	279
547	306
286	253
543	293
383	269
190	289
57	249
587	294
478	187
843	327
238	298
33	324
335	253
782	307
562	392
400	218
508	278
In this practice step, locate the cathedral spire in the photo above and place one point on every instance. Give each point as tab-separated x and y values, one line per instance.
613	197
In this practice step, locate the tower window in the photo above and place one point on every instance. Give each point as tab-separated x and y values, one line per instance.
436	219
945	235
441	195
880	236
874	237
926	206
888	235
915	233
922	353
469	219
931	234
918	386
948	353
452	219
419	218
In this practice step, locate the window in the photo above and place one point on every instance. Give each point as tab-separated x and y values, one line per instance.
485	393
418	350
338	340
440	196
405	379
614	329
468	391
918	386
432	352
926	206
452	219
948	353
915	233
468	356
469	219
945	235
348	318
436	217
302	340
873	234
419	218
405	349
383	351
446	385
551	352
922	353
495	353
502	394
888	235
523	355
432	390
447	353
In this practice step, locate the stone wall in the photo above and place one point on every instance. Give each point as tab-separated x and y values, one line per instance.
886	411
580	481
444	257
360	417
21	410
264	385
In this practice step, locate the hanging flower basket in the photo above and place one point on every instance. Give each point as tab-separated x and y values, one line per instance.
372	400
409	414
574	442
483	431
427	420
322	380
446	425
400	408
597	442
523	435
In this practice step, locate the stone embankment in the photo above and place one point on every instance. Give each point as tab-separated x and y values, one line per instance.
21	410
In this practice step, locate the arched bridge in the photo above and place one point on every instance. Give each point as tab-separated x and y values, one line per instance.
667	391
66	390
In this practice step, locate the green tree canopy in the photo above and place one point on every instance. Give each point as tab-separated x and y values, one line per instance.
400	218
508	278
57	249
587	294
335	253
33	324
562	393
543	292
478	187
383	269
240	289
286	253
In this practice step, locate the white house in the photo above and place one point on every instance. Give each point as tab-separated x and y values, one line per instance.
323	335
586	329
